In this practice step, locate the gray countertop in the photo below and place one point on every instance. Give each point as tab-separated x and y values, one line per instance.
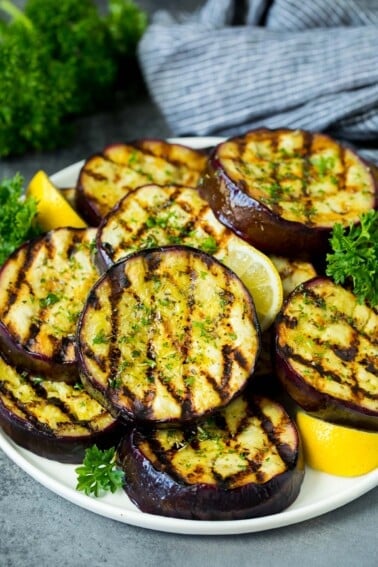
40	528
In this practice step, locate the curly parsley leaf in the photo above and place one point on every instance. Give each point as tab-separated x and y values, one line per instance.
72	59
17	219
98	473
355	257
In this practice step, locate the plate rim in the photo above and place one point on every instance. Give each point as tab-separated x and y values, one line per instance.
353	488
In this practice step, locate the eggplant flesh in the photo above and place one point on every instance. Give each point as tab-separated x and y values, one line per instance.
327	353
160	215
55	420
167	335
243	462
43	286
283	190
120	168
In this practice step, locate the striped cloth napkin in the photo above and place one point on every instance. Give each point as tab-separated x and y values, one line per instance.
236	65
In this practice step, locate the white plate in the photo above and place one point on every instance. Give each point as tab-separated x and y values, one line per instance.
320	493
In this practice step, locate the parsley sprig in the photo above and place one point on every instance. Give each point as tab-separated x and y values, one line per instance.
17	218
355	257
98	473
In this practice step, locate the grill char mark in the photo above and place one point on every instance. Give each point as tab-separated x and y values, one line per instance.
166	155
306	166
273	433
191	436
42	394
172	234
164	335
346	354
20	280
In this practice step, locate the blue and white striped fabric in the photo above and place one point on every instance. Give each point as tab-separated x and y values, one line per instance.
237	65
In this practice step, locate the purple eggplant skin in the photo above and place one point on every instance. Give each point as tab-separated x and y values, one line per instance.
102	259
69	450
15	353
256	223
109	397
320	404
155	492
83	205
56	366
316	402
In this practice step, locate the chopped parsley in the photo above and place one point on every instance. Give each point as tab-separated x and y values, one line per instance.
50	299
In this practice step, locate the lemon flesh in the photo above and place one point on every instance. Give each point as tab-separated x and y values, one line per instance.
53	210
335	449
260	276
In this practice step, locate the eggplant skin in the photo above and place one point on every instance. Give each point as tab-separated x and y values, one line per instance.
55	420
155	490
39	364
156	340
68	450
108	176
286	201
254	222
326	353
43	286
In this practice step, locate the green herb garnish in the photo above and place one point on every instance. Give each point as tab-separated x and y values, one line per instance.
50	299
355	257
59	60
209	245
100	339
17	216
98	473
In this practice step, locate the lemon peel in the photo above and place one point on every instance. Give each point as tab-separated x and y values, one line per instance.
53	210
337	449
259	275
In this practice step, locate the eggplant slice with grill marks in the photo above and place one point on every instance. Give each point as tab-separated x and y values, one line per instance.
327	353
293	271
55	420
244	461
43	286
107	177
155	215
167	335
283	190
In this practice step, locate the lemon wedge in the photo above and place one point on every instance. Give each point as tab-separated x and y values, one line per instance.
259	275
336	449
53	210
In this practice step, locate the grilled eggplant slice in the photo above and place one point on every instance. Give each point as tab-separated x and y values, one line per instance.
327	353
107	177
53	419
43	286
283	190
155	215
243	462
167	335
293	271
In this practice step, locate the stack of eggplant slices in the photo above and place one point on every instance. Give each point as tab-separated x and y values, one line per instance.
189	317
